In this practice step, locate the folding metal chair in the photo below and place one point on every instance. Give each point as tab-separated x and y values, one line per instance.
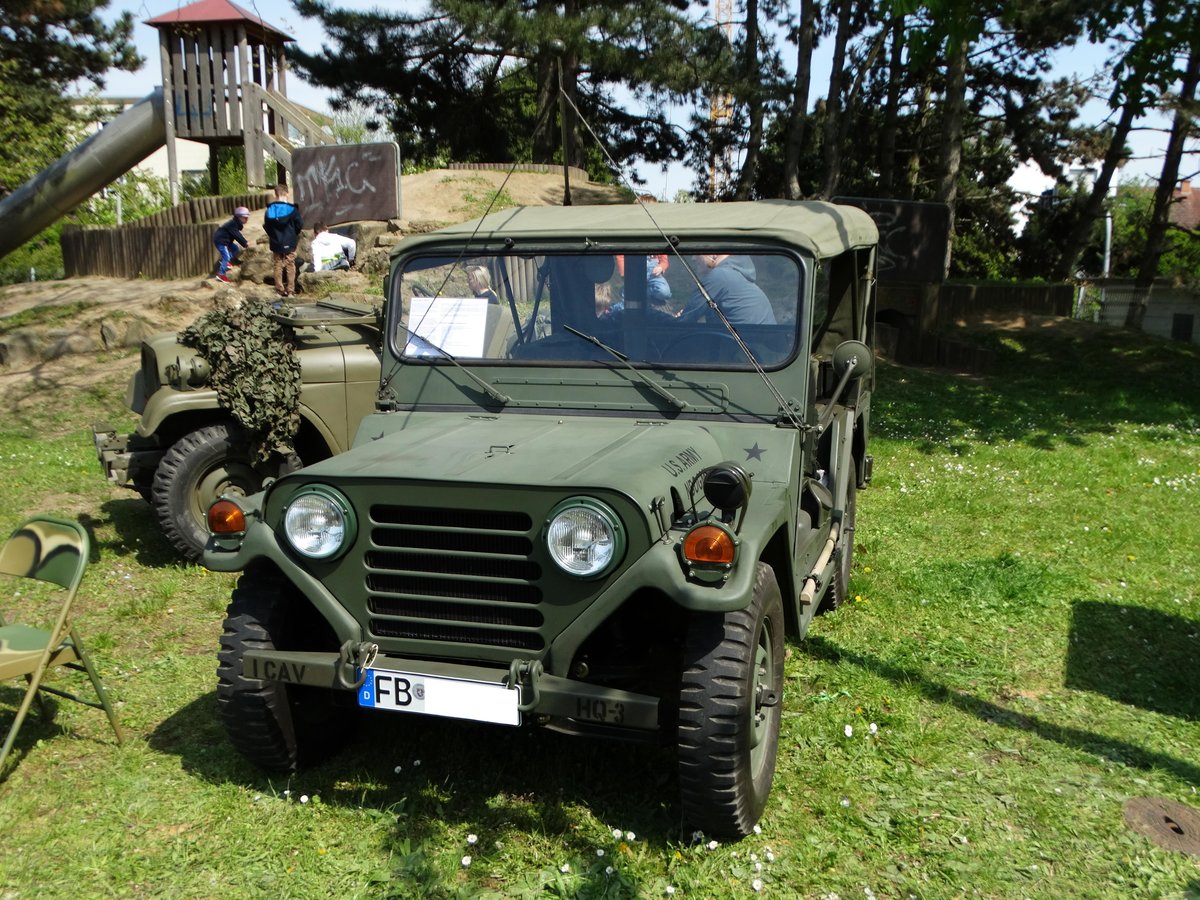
54	551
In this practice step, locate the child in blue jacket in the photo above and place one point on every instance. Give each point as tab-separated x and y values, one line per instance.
283	225
229	241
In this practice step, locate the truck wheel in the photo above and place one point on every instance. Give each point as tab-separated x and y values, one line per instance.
729	712
839	586
277	726
200	467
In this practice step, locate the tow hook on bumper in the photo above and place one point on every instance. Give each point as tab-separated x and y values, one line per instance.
525	674
353	662
124	456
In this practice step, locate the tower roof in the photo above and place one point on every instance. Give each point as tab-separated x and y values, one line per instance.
219	11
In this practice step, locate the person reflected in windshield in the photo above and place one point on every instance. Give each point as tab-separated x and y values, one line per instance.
730	281
480	283
658	292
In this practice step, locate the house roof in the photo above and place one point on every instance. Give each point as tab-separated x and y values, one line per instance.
218	11
1185	211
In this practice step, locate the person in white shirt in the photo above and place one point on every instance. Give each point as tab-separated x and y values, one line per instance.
330	250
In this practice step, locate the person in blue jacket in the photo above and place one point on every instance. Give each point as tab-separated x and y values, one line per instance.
283	226
229	241
729	280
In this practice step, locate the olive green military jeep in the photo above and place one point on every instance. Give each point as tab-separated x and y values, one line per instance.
613	465
188	450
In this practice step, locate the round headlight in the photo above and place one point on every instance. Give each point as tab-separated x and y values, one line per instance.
318	525
584	538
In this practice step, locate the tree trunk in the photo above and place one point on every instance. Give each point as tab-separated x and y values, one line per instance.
1160	218
545	127
955	110
1082	226
850	96
754	105
798	118
572	153
912	173
833	105
891	113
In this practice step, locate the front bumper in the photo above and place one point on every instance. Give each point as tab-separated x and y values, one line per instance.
128	460
540	694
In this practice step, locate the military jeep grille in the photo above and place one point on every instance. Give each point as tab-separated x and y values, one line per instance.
454	576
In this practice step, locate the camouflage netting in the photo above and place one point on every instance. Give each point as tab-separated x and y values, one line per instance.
254	370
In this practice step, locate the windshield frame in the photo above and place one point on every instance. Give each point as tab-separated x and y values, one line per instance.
684	261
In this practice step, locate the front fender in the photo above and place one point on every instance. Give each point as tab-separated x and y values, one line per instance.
661	568
167	402
260	542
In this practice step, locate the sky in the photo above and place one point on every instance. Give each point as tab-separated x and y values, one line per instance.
1147	144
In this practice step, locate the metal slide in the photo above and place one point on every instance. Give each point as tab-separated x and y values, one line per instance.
101	159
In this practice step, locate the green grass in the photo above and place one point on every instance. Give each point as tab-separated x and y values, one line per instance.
44	315
1023	636
479	197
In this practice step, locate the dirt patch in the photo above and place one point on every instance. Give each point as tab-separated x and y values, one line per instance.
453	195
44	321
109	296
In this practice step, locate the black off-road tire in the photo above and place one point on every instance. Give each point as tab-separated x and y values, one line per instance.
197	469
839	586
279	727
729	712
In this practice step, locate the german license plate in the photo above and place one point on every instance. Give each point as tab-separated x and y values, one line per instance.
433	695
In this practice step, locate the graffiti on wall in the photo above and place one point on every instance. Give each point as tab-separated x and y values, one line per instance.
912	237
347	182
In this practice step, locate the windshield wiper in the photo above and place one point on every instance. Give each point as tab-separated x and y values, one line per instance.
502	399
642	376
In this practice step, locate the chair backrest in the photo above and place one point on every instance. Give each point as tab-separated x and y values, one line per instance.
47	549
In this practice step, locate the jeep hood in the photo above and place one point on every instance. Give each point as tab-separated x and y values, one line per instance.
640	458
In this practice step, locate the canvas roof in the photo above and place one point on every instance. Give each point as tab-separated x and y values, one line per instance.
826	229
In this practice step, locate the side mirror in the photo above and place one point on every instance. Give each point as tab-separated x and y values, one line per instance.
853	358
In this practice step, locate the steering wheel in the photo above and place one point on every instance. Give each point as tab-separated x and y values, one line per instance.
419	290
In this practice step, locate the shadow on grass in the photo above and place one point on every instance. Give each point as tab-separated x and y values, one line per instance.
1135	655
36	727
511	785
1048	390
1114	749
136	531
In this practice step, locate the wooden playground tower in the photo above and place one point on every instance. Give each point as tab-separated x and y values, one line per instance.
223	74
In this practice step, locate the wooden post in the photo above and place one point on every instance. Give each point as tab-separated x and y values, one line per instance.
207	98
251	114
168	89
231	81
279	126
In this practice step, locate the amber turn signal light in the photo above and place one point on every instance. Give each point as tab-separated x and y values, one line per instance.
226	517
708	544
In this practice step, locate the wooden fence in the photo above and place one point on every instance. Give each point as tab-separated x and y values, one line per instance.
965	301
205	209
165	252
934	307
916	323
578	175
174	243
